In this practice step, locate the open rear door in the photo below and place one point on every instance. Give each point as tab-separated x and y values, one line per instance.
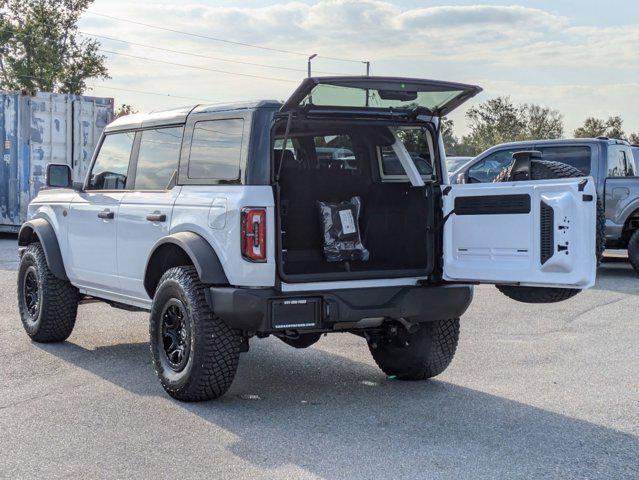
534	233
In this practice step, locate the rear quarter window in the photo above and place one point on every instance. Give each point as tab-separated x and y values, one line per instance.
621	162
216	150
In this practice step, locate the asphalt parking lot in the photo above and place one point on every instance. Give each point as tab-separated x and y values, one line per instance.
534	392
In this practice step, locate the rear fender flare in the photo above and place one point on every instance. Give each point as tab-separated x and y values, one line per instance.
199	251
43	232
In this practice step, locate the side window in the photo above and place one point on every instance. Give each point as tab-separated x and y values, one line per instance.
620	162
112	164
576	156
335	152
216	150
635	161
486	170
416	142
158	158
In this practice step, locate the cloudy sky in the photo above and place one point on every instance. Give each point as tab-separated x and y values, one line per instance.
581	57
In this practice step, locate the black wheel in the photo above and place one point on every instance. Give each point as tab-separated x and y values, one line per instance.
48	305
420	355
305	340
195	353
546	170
633	250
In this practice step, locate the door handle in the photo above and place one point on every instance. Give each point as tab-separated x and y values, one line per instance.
156	217
106	215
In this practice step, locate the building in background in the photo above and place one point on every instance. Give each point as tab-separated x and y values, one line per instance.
42	129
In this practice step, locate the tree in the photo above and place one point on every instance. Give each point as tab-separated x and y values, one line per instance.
592	128
614	128
124	109
40	48
634	139
498	120
454	147
595	127
542	123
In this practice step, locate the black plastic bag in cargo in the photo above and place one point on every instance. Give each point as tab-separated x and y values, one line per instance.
340	227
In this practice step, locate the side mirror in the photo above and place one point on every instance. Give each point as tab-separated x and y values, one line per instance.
59	176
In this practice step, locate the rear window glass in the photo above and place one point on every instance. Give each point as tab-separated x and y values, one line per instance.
576	156
343	96
216	149
416	142
335	152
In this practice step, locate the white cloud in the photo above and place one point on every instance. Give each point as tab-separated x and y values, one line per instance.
511	47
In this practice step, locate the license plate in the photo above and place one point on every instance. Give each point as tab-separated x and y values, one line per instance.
295	313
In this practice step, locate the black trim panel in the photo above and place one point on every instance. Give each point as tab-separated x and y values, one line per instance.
49	241
547	232
249	309
493	205
200	252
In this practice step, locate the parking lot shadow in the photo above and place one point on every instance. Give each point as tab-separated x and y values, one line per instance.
327	414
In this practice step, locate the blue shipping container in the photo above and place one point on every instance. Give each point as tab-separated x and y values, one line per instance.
42	129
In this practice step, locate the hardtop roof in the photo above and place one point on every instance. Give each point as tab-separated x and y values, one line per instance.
179	115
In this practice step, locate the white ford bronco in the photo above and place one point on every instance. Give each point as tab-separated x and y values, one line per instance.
329	213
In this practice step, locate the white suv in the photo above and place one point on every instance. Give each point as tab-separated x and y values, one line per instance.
208	217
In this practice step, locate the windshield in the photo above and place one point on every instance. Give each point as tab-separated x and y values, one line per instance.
455	163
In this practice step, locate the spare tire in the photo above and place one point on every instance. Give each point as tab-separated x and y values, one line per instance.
304	340
546	170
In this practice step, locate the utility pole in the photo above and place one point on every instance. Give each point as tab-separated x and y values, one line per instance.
309	64
368	74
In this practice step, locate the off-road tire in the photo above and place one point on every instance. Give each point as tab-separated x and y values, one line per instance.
428	353
214	347
537	294
633	250
545	170
53	319
305	340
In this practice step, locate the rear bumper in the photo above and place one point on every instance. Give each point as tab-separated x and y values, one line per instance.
255	309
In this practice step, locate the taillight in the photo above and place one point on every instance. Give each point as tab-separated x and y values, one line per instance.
254	234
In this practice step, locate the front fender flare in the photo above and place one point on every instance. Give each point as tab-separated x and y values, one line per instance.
45	233
200	252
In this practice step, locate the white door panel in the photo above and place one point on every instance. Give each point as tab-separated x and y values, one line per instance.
91	252
537	233
137	234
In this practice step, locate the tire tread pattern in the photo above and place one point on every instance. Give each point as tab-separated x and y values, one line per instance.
217	346
633	250
60	299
